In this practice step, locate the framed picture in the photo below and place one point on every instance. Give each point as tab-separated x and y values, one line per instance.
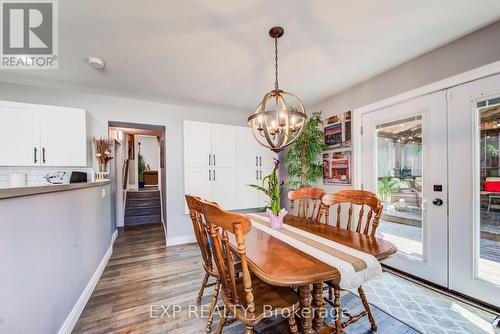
337	167
337	130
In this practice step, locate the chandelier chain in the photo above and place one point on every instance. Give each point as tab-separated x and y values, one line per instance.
276	63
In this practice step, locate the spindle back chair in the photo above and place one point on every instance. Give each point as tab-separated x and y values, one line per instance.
366	224
240	295
201	233
306	197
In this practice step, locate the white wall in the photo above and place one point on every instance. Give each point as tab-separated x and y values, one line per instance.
150	151
469	52
102	109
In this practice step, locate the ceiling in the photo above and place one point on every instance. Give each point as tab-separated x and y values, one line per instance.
219	53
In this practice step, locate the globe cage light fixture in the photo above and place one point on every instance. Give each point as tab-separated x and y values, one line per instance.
281	117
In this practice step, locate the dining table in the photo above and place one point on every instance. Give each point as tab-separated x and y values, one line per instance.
280	264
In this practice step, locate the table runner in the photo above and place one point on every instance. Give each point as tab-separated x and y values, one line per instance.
355	267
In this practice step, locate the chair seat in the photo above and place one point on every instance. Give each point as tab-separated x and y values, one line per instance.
277	300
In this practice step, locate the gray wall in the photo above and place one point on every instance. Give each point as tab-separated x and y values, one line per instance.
50	246
469	52
102	109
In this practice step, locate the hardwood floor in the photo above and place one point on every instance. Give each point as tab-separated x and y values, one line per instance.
144	279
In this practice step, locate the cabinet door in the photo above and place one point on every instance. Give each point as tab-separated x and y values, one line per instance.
247	197
224	187
63	138
247	148
223	146
197	144
197	182
266	157
19	137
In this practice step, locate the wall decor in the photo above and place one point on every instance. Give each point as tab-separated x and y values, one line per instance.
337	130
337	167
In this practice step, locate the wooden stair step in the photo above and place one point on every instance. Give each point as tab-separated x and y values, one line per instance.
142	210
144	219
131	203
143	194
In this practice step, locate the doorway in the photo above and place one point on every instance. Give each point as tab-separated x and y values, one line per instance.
434	162
139	174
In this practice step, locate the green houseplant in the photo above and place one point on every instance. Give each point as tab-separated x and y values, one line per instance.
272	186
304	156
141	167
386	187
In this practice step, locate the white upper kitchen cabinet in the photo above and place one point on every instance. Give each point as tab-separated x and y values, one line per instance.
41	135
266	157
247	154
63	138
19	136
223	146
197	144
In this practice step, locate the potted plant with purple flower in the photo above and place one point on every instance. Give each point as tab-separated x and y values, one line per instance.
272	185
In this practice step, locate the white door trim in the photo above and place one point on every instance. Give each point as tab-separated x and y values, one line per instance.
459	79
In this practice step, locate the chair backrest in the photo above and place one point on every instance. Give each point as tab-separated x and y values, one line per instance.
222	223
305	197
360	198
201	230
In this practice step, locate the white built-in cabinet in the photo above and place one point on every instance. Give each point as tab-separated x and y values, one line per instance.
220	161
39	135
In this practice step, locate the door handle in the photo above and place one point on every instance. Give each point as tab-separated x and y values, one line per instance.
34	154
260	172
214	165
209	176
214	174
256	161
260	161
257	174
210	160
437	202
43	154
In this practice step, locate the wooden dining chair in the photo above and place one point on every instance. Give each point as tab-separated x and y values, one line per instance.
368	217
247	298
308	203
201	233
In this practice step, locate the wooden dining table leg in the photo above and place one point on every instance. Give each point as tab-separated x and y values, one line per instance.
319	306
306	311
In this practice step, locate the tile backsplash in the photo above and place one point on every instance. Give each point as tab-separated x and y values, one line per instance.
36	175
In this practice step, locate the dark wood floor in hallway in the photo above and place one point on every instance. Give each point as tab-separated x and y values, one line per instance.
141	276
143	280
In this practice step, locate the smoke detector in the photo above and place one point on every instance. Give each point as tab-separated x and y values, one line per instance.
96	63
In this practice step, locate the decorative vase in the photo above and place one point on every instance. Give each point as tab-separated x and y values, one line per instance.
276	221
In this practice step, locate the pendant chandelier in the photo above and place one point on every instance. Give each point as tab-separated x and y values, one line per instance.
280	118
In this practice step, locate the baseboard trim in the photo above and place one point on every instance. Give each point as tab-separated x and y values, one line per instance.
183	239
76	311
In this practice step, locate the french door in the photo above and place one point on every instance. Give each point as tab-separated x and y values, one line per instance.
435	163
405	162
475	189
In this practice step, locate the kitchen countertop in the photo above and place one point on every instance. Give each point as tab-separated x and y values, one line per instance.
49	188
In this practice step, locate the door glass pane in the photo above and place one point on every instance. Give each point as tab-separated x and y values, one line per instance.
399	183
489	170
